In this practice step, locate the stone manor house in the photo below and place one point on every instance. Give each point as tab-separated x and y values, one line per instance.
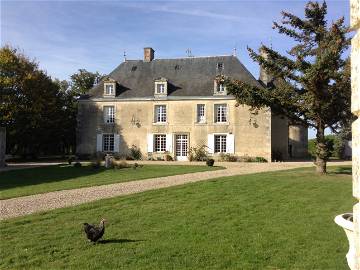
165	106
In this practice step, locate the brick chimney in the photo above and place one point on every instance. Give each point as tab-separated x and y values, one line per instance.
148	54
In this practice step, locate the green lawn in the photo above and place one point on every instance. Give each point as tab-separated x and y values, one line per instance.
45	179
278	220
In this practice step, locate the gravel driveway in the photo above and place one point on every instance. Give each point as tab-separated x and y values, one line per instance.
26	205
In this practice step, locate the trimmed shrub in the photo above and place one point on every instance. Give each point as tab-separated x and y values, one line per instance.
198	153
168	158
227	157
260	159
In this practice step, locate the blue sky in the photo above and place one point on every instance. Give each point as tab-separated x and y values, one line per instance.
65	36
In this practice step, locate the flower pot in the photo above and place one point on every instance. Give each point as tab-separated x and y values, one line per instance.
346	222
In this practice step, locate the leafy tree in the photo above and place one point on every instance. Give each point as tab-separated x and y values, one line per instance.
83	81
310	86
30	105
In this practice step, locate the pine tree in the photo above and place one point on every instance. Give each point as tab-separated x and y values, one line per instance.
310	86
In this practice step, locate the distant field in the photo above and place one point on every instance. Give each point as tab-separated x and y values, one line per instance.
45	179
277	220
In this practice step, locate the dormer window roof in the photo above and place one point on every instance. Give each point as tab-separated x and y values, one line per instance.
161	85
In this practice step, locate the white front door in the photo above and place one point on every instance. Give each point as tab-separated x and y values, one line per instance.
181	149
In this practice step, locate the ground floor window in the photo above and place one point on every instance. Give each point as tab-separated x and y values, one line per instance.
160	142
220	143
108	142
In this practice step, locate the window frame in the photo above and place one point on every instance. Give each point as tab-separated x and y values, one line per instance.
164	88
160	116
160	88
220	117
109	118
108	143
222	143
113	87
159	143
200	118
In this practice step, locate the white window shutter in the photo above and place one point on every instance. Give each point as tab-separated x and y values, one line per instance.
99	142
169	143
116	143
230	143
150	143
211	143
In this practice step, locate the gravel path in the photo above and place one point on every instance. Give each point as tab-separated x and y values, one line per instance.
26	205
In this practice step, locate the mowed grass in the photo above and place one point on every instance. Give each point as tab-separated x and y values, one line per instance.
45	179
277	220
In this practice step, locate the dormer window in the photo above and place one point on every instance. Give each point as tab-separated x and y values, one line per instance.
161	87
220	66
109	88
219	88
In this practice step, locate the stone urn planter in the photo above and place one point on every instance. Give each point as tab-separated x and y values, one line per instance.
346	222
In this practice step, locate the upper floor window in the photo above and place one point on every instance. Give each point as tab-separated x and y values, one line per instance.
161	85
108	142
201	113
220	113
160	113
109	114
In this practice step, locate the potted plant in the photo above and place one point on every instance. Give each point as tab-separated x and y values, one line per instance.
347	223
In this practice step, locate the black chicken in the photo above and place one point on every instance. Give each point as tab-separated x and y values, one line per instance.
94	233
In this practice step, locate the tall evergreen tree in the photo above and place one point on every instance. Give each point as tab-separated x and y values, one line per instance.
310	86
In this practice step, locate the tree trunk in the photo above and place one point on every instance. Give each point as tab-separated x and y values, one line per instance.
321	150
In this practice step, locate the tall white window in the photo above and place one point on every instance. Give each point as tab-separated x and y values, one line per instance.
160	113
109	89
160	88
220	143
109	114
220	113
108	142
201	113
160	143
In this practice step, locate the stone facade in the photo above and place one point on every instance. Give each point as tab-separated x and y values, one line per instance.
134	121
2	146
355	107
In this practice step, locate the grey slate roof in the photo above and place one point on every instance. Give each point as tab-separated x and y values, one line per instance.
186	76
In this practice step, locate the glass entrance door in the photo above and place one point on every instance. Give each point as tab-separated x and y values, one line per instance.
181	141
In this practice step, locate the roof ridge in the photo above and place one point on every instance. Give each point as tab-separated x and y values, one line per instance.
179	58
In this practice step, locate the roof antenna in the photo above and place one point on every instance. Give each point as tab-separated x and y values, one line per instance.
124	56
188	52
234	51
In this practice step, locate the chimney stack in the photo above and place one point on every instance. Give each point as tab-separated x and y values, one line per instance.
264	76
148	54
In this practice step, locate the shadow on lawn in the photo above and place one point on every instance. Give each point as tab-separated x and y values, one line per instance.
118	241
48	174
342	170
